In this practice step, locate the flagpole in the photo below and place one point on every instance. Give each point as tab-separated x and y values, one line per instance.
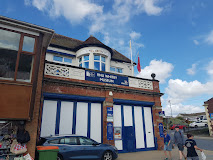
131	59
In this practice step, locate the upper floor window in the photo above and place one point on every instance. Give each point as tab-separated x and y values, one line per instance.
116	69
16	56
84	61
99	63
62	59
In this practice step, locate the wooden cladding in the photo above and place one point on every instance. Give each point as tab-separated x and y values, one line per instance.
15	101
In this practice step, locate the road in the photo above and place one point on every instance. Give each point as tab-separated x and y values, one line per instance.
205	143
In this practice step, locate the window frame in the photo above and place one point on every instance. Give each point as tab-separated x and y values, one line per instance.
83	61
56	55
100	61
19	52
116	70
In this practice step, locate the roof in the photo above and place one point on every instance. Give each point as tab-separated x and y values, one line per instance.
72	44
192	114
210	100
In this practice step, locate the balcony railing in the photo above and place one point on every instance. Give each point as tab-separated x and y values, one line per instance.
68	71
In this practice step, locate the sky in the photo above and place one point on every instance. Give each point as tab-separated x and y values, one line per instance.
173	38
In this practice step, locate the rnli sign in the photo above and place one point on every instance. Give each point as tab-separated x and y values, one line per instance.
106	78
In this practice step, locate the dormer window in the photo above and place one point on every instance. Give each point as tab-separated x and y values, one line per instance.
84	61
99	63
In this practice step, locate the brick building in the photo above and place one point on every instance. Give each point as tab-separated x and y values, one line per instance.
89	90
22	52
209	114
74	87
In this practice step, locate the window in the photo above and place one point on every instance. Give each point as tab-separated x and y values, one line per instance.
84	61
15	46
86	141
69	140
99	63
116	69
62	59
55	141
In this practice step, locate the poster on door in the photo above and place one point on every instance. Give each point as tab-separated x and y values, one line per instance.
117	133
109	114
109	131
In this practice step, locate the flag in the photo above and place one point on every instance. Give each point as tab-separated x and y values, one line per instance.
139	65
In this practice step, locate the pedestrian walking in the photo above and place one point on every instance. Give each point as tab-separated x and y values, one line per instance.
191	146
167	145
179	141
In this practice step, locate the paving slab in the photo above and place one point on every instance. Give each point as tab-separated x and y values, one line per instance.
158	155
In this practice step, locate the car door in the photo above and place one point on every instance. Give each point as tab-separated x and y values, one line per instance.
90	148
69	148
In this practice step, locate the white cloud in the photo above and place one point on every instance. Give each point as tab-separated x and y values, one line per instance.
180	108
209	38
72	10
161	69
209	69
178	91
134	35
149	7
196	42
192	70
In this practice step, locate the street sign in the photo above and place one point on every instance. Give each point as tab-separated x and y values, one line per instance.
161	113
161	130
211	116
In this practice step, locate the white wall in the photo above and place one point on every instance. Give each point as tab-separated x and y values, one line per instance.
139	130
48	118
95	122
126	67
81	118
66	118
117	122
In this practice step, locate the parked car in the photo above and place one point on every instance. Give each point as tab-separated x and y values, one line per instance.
80	147
180	126
198	124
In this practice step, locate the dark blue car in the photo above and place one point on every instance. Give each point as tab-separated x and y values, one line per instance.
80	147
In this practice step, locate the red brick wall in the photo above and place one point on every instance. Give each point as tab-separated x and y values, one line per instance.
210	108
52	87
32	126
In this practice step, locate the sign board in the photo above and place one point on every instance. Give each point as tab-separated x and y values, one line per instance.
161	130
109	114
161	114
211	116
106	78
109	131
117	133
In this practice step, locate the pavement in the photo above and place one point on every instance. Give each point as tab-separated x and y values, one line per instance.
158	155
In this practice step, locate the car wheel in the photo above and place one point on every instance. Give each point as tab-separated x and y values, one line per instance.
196	126
107	156
60	157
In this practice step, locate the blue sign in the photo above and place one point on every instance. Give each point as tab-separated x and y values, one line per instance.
161	129
161	114
106	78
109	114
109	131
211	116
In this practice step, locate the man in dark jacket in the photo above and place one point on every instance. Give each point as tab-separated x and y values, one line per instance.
179	141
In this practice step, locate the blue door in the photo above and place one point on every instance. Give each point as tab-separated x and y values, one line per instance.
129	142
